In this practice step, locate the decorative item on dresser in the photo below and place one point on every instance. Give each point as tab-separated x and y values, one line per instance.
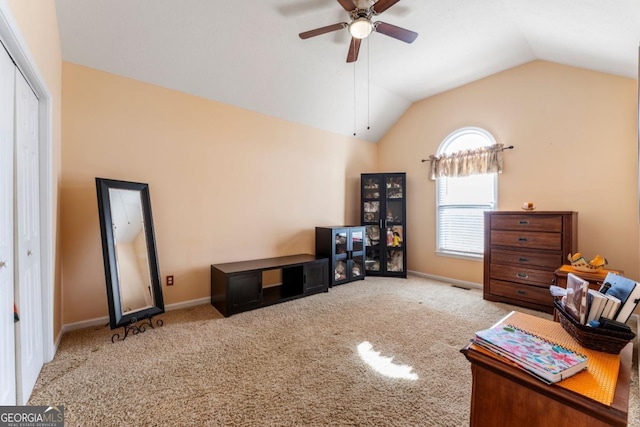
344	246
383	204
522	252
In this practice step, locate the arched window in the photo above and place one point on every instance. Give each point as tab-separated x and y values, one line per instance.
461	201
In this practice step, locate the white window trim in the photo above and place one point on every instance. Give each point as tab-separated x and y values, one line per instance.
441	149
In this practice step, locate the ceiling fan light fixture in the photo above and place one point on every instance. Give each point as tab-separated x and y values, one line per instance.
360	28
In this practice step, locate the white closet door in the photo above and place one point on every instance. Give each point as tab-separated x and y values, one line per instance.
7	343
29	293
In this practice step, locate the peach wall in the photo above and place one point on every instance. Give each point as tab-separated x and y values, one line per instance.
226	184
39	27
575	138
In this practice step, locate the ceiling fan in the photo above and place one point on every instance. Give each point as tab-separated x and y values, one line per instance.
361	12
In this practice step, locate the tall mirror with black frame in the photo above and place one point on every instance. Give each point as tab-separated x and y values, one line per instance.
134	290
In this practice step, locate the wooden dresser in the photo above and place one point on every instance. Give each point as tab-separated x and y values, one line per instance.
522	251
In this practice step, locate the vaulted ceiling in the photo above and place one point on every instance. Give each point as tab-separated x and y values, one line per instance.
247	53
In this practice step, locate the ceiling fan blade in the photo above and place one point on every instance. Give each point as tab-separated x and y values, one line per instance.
354	49
348	5
382	5
399	33
322	30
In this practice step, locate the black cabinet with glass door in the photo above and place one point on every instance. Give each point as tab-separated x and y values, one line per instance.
383	213
344	246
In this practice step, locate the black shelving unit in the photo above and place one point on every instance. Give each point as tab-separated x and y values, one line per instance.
383	214
344	246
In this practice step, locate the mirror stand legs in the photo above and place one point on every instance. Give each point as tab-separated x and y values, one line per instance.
135	328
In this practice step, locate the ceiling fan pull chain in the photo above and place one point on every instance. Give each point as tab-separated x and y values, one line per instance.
354	99
368	87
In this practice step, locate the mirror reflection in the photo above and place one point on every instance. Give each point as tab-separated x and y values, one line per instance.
131	250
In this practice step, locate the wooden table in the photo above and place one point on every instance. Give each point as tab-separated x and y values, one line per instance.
504	395
595	278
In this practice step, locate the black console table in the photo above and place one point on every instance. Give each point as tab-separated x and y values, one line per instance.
238	286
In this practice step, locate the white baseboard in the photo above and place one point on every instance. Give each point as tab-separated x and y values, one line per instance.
186	304
103	321
98	321
462	283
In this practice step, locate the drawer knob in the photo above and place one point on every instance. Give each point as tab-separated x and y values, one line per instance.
523	275
523	222
522	239
523	259
521	292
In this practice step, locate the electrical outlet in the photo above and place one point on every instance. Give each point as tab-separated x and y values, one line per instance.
169	280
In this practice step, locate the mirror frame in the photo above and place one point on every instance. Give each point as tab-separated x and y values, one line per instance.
116	316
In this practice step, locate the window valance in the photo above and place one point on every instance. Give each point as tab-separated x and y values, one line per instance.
482	160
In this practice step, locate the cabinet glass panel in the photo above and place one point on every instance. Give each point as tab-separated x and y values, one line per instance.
340	270
371	211
357	241
394	187
372	235
394	236
372	260
395	261
341	242
394	211
371	188
357	269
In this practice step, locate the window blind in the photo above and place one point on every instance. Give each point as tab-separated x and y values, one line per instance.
461	206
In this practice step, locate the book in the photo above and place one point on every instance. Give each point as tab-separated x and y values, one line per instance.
543	359
597	302
626	290
629	306
611	308
575	303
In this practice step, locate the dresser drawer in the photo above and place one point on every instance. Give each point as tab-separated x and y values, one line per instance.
526	259
527	276
551	223
527	240
530	294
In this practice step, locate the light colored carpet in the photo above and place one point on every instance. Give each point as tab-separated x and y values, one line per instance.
291	364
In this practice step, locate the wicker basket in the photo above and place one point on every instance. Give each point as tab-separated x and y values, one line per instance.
604	340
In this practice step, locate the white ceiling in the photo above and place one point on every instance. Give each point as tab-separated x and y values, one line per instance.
247	53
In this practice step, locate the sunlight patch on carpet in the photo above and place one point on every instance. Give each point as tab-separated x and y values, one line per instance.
384	365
